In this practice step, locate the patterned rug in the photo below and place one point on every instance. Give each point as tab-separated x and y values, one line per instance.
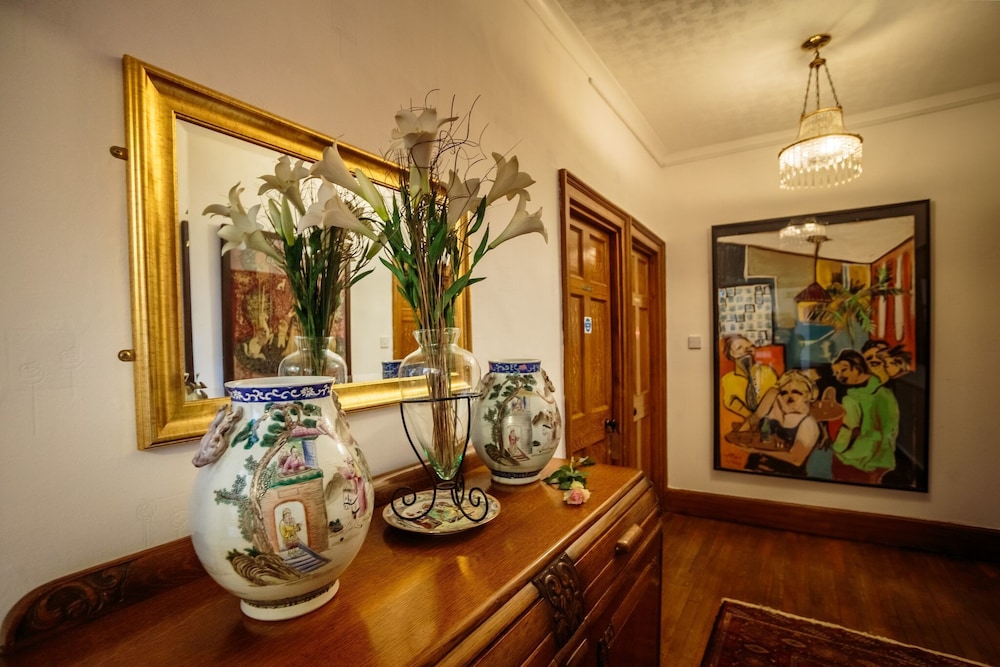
747	635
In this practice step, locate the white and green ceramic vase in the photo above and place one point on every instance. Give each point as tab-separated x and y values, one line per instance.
517	425
283	498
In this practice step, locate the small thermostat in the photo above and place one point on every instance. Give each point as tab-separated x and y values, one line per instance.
694	342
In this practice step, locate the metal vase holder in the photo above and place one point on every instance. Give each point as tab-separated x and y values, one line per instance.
468	502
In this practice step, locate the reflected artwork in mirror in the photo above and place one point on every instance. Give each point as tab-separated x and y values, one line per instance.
187	145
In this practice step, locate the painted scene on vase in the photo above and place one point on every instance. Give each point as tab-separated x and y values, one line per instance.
283	499
821	358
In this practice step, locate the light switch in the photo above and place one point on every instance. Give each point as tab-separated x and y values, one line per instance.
383	342
694	342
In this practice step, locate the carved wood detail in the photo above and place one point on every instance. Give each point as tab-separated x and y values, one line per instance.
81	597
560	585
73	600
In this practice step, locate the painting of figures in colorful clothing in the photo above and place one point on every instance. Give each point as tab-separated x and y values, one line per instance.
821	357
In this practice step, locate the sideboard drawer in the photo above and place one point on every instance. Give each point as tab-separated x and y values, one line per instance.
529	641
612	553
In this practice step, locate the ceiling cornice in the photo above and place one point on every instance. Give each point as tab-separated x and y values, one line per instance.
599	77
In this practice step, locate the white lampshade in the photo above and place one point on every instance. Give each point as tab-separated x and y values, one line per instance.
823	155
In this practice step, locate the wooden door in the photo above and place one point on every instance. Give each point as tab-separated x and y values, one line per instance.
647	436
592	323
614	334
403	325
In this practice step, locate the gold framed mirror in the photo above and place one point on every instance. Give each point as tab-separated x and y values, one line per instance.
157	104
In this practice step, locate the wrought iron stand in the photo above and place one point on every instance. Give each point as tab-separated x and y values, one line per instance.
472	503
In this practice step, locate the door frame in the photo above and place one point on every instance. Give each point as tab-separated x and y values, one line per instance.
640	237
626	233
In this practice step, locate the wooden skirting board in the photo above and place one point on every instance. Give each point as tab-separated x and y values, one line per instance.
947	538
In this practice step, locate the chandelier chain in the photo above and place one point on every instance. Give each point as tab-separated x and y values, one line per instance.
816	63
832	89
805	100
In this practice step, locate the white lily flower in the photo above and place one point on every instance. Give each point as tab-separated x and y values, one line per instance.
329	210
509	181
418	134
285	180
522	223
246	232
313	216
462	197
222	209
333	169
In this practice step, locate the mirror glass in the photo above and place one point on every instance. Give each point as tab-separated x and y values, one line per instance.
187	145
216	351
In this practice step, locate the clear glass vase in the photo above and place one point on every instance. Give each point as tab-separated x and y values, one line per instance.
439	383
439	427
439	368
313	356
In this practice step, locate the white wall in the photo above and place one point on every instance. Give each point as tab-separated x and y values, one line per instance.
73	487
948	157
72	484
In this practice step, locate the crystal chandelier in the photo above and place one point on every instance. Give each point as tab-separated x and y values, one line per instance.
825	153
808	230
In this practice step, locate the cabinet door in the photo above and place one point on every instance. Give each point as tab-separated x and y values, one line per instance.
629	635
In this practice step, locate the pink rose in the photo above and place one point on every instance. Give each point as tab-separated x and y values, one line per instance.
577	496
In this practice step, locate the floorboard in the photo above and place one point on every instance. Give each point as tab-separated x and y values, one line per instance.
942	603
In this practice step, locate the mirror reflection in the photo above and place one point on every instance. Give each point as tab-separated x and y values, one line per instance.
187	145
240	321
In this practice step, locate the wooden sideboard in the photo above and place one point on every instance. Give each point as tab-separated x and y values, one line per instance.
543	583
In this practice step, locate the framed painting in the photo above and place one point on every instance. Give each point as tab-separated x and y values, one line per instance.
258	317
821	346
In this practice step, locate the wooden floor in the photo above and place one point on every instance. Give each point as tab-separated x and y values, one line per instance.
937	602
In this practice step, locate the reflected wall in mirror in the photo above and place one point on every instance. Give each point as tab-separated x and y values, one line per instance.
187	146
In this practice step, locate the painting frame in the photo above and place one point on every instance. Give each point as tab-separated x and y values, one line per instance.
253	346
821	346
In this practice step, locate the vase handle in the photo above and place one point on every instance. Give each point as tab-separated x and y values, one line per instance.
214	442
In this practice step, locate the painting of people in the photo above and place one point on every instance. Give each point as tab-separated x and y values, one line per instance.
822	344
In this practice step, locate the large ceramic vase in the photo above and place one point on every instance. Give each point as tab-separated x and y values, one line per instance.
517	425
283	498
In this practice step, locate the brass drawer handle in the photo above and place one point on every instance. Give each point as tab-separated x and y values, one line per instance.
628	540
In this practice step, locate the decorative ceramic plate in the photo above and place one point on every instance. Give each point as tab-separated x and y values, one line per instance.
443	519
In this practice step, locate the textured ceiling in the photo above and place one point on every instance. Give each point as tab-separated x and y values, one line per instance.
717	72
